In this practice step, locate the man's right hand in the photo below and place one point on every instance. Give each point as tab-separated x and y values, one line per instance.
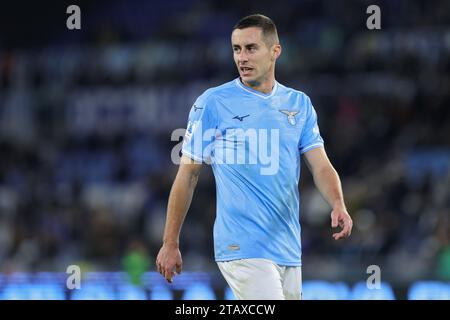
169	257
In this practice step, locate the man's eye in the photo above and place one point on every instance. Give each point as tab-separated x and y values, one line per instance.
236	49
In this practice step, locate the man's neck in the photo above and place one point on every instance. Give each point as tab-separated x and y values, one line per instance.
264	87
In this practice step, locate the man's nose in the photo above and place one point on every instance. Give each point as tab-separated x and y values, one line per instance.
242	57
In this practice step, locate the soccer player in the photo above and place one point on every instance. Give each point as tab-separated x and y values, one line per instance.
253	131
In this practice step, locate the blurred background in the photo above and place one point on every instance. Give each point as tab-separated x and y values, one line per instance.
86	118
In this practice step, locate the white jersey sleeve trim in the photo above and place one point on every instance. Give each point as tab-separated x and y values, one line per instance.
190	155
311	146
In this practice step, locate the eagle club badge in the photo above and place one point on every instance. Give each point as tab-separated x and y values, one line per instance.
290	116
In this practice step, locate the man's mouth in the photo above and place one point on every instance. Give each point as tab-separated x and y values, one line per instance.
245	69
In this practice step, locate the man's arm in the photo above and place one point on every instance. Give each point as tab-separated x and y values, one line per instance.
327	181
180	197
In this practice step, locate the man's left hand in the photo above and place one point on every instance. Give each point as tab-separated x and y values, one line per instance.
341	218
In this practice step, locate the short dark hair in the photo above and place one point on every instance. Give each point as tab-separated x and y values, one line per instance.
269	30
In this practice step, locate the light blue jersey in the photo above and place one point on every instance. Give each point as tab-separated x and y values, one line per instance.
254	142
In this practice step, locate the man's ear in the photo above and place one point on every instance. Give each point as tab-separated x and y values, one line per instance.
276	51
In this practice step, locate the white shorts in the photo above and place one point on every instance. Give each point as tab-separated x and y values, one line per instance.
262	279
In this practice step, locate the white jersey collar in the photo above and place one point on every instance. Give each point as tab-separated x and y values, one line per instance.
256	92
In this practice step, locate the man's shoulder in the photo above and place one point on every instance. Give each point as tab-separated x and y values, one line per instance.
220	91
283	89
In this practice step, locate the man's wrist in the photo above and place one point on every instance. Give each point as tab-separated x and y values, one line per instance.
171	243
339	205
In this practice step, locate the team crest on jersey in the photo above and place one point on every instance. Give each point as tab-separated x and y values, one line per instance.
290	116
